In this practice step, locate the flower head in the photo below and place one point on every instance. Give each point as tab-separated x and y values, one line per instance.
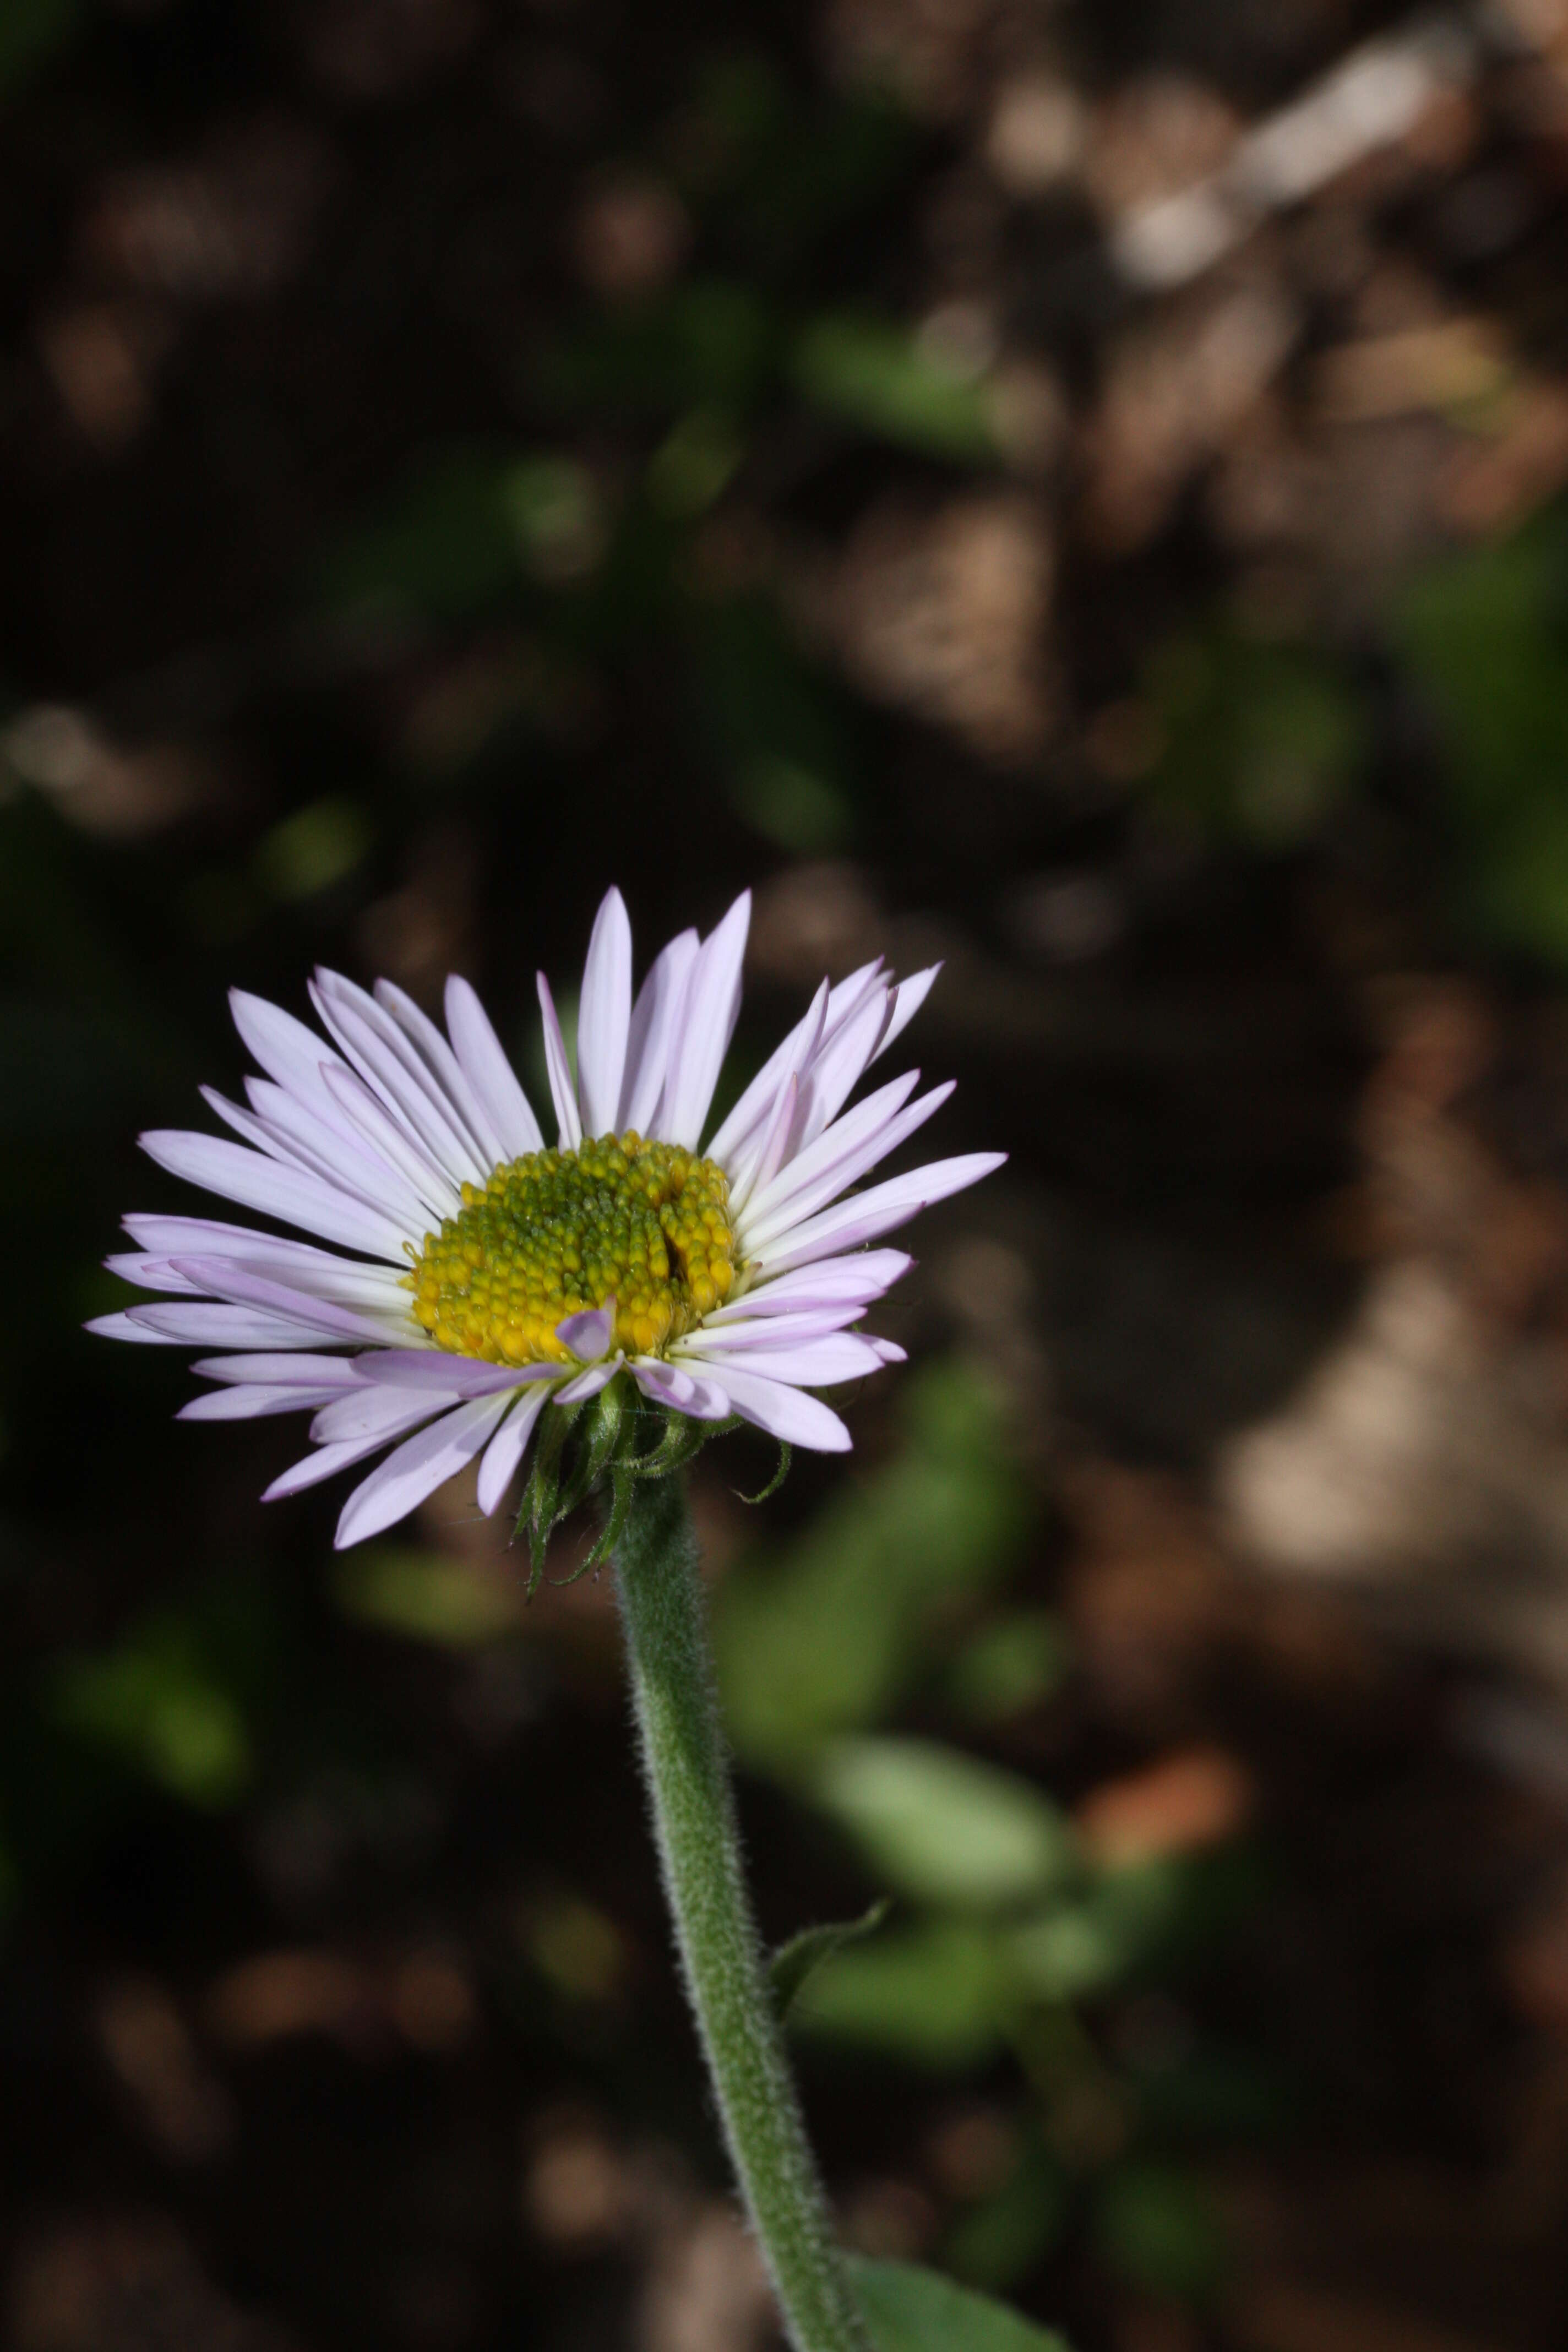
478	1277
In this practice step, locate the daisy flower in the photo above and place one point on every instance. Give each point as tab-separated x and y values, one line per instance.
477	1275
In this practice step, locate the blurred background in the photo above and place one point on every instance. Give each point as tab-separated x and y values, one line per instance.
1077	492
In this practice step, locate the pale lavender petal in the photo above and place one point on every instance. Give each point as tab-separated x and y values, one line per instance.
908	997
436	1368
760	1164
389	1066
655	1022
563	1092
322	1372
604	1016
756	1104
707	1026
321	1274
244	1402
286	1049
325	1463
506	1449
225	1277
773	1330
686	1391
792	1414
588	1384
423	1174
868	1274
890	1352
149	1273
813	1364
447	1071
400	1483
338	1153
278	1191
122	1326
588	1333
195	1324
866	1215
484	1063
840	1141
382	1413
793	1199
842	1064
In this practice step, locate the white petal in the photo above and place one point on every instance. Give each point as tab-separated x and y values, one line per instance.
604	1016
418	1467
865	1215
243	1402
655	1022
149	1273
339	1154
758	1163
483	1061
687	1392
786	1413
506	1447
712	1340
868	1274
792	1200
283	1193
706	1024
445	1066
563	1092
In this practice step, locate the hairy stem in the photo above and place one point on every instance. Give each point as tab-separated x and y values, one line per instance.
686	1767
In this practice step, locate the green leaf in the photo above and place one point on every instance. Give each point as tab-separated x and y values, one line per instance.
824	1637
876	374
1014	1663
426	1597
157	1701
1155	2225
932	1996
1259	740
795	1961
944	1827
909	2309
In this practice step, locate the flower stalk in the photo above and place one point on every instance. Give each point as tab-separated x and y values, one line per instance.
692	1805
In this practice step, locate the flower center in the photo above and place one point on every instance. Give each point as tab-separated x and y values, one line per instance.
556	1232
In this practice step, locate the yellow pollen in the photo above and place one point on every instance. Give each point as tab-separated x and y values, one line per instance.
556	1232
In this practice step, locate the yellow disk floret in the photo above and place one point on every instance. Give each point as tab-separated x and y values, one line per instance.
555	1232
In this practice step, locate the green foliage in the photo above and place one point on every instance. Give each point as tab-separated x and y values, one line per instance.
914	2310
1485	634
426	1596
944	1827
776	726
308	852
1015	1662
708	342
824	1639
794	1962
1261	740
934	1994
1000	2240
1155	2223
160	1702
878	376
